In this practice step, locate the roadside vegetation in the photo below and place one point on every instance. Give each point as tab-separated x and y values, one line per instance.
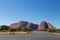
51	30
58	31
5	28
54	30
25	29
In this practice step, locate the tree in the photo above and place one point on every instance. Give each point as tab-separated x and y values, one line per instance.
4	27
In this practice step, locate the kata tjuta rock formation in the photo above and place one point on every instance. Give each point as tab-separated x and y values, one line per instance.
42	26
32	26
18	24
51	26
24	24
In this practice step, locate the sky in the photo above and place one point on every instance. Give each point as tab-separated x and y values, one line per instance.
35	11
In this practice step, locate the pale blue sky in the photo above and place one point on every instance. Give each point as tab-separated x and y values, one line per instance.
35	11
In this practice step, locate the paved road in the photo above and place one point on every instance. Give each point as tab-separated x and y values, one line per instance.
33	36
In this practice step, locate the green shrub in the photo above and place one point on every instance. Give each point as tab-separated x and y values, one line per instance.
12	30
4	27
51	30
25	29
58	31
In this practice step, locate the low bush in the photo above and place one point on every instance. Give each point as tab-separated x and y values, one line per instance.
25	29
51	30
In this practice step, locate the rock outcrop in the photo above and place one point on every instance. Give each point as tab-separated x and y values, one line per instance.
18	25
51	26
14	26
24	24
32	26
42	26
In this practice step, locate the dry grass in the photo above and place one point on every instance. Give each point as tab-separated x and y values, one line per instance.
8	33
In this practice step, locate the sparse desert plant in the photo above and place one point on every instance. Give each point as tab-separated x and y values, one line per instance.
25	29
42	30
12	30
58	31
51	30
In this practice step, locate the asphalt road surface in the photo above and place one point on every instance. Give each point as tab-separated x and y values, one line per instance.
33	36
